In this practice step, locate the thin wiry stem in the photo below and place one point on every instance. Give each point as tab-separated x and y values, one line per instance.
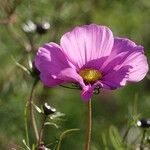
32	112
41	131
26	124
126	133
62	136
142	140
88	132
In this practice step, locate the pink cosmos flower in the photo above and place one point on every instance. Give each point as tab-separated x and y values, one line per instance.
92	57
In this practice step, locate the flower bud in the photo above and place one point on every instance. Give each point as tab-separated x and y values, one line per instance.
48	110
42	28
143	123
29	27
42	147
34	72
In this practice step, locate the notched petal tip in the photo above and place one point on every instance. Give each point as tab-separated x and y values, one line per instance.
125	44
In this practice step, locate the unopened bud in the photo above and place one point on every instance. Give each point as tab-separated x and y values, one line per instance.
34	71
29	27
143	123
42	147
42	28
48	110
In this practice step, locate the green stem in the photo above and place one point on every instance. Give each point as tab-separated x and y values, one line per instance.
142	140
41	131
126	133
26	124
88	132
32	112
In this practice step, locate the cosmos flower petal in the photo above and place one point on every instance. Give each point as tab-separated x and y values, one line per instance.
50	59
124	45
49	81
87	93
122	48
95	64
86	43
139	67
127	53
70	75
116	78
135	58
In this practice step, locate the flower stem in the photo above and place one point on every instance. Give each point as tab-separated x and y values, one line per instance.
32	112
126	133
142	140
26	124
88	132
41	131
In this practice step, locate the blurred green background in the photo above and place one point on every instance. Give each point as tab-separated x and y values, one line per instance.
126	18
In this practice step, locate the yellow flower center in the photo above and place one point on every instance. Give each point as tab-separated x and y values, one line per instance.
90	75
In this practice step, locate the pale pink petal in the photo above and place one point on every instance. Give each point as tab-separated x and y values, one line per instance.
139	66
70	75
116	78
50	59
49	81
125	45
135	58
126	53
122	48
86	43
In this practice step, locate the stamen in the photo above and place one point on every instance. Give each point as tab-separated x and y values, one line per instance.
90	75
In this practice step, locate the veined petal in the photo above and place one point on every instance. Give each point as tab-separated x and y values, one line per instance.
125	45
135	58
49	81
70	75
86	43
95	63
116	78
139	66
50	61
126	53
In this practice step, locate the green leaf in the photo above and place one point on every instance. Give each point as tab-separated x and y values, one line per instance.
104	139
30	62
37	108
57	115
33	146
115	138
64	134
21	66
27	147
52	124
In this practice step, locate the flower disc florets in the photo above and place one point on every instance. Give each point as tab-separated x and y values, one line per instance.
90	75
